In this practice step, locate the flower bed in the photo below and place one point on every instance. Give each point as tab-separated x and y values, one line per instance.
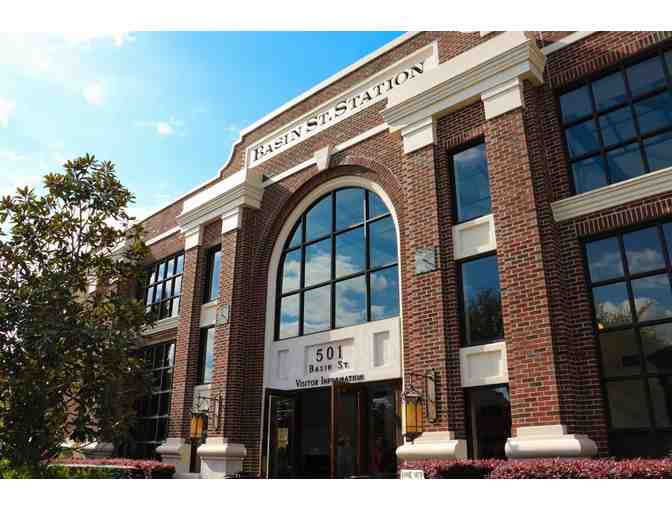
117	468
544	468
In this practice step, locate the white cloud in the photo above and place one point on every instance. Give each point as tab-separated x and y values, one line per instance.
163	127
11	156
6	110
85	38
95	93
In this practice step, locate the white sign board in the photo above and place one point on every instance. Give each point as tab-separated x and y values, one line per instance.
411	474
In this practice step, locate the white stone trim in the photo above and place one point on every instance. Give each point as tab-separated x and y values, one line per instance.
162	236
192	237
566	41
548	441
231	220
322	157
613	195
434	445
209	314
419	134
474	237
381	128
428	55
503	98
162	325
221	458
177	452
481	365
462	80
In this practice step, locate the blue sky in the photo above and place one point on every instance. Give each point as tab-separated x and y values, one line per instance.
164	106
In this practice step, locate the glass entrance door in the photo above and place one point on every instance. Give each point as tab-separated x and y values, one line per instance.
342	431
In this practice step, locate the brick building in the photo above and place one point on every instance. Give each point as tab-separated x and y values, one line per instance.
480	218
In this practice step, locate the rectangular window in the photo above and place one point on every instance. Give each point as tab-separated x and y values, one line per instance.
481	301
207	356
214	266
619	126
163	287
471	183
154	409
629	278
489	412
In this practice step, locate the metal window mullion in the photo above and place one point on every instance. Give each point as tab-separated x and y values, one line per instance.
332	268
600	138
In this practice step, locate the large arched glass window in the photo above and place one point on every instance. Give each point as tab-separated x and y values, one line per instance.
339	265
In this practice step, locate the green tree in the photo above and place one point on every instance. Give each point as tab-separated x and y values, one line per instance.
65	369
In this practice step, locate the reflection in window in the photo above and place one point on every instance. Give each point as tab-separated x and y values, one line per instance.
207	356
472	185
163	287
629	275
481	298
618	127
214	267
339	267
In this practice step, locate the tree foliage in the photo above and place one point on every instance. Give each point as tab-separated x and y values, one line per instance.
65	369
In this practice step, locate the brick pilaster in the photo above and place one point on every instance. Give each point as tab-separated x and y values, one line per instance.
526	305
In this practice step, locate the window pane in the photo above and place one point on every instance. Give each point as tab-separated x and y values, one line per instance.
655	112
589	174
627	404
472	185
350	255
382	242
179	265
659	151
170	268
215	266
175	310
162	271
296	238
349	207
576	104
643	250
317	310
289	316
617	126
167	380
661	398
646	76
667	231
177	286
208	356
482	300
620	355
609	91
351	301
604	259
376	206
152	276
318	219
657	345
170	355
625	162
291	271
582	139
653	297
612	306
318	262
490	412
164	404
384	293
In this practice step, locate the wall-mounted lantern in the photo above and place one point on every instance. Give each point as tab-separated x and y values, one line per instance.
416	403
200	417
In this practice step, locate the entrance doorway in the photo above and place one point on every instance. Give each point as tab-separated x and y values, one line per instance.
342	431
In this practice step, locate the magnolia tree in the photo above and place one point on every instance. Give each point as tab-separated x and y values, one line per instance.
65	368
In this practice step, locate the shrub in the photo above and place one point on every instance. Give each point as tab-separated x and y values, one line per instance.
544	468
464	468
113	468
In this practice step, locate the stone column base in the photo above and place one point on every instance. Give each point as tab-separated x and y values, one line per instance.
98	450
221	458
176	451
549	441
434	445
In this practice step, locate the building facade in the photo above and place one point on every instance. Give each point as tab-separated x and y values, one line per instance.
481	219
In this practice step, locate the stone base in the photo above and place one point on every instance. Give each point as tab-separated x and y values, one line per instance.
176	451
434	445
221	458
549	441
97	450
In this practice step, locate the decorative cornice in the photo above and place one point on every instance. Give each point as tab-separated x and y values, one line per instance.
620	193
223	200
464	78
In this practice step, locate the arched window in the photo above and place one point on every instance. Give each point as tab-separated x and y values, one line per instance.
339	265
